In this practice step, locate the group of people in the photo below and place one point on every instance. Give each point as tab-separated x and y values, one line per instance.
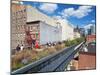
18	48
35	44
53	44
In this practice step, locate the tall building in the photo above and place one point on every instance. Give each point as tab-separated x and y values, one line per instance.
82	32
77	32
18	23
92	29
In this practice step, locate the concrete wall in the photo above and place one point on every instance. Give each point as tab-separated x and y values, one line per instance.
49	33
67	30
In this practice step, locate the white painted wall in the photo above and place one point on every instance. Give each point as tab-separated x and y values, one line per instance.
77	35
48	33
67	30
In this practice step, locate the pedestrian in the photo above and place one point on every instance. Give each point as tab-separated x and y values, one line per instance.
18	48
22	47
36	44
33	41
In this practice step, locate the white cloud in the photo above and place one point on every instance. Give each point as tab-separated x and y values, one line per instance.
81	12
62	19
57	17
93	21
21	3
68	12
88	26
49	8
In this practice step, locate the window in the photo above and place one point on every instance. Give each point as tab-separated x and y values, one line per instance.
24	10
17	35
17	27
30	27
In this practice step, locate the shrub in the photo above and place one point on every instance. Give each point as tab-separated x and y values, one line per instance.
75	41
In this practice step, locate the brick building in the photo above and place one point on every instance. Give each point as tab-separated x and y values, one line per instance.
18	23
90	38
87	60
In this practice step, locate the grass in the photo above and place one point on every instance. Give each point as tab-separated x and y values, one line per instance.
33	55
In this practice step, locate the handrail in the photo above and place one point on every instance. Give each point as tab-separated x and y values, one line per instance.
43	60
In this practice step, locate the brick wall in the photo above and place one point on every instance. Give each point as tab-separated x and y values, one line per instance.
87	61
90	38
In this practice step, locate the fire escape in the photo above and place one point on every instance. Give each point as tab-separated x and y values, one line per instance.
28	38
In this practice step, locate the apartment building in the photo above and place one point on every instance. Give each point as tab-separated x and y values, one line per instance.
18	23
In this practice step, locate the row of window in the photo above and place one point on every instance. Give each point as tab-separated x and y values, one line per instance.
21	17
20	27
35	28
19	12
20	35
19	41
18	22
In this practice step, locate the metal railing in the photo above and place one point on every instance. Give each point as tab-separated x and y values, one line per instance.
46	64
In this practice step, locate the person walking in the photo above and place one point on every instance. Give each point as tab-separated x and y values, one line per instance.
18	48
22	47
33	41
36	44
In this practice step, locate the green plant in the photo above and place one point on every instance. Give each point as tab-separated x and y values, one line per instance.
75	41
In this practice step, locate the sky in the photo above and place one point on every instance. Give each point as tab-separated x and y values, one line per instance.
81	15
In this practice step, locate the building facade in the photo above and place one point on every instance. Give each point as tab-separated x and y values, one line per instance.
90	38
18	23
67	30
77	32
43	32
40	26
91	30
87	61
